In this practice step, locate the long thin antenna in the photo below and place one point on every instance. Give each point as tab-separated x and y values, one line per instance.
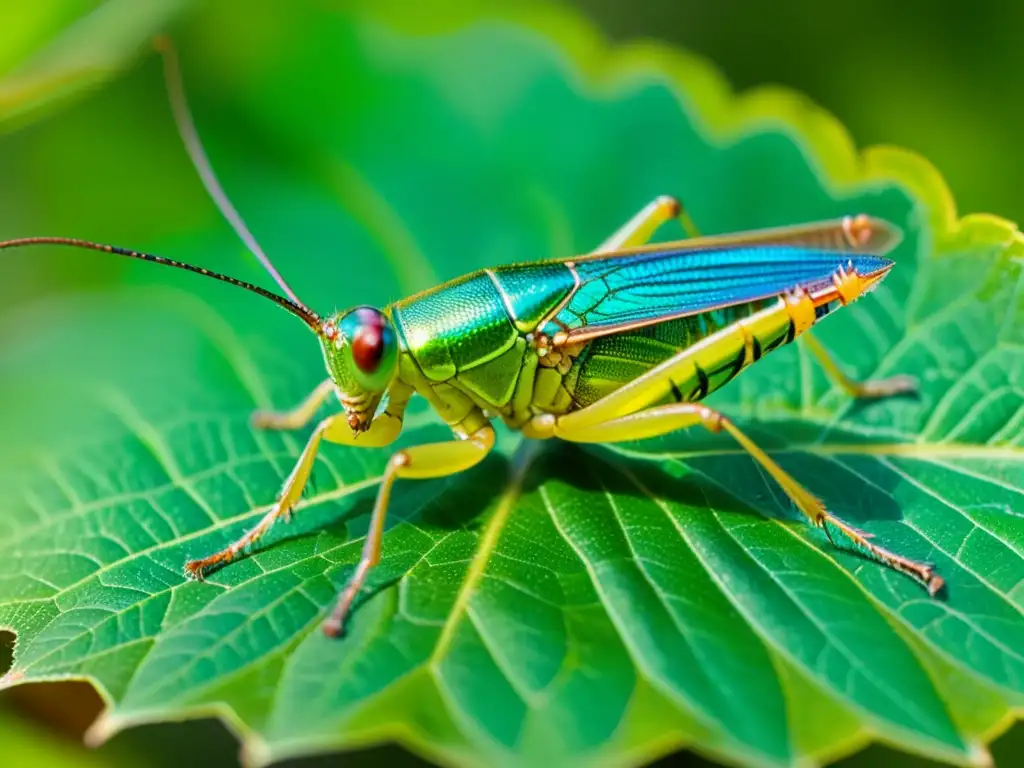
308	316
194	147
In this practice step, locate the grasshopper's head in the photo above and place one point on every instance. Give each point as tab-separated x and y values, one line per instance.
361	352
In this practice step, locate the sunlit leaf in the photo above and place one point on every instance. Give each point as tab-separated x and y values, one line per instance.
555	603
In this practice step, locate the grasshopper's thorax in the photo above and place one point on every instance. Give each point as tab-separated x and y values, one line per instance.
361	354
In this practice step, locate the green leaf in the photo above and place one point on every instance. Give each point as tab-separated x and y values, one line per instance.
101	40
607	605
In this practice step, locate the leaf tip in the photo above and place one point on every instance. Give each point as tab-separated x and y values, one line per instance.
978	755
11	679
254	752
104	727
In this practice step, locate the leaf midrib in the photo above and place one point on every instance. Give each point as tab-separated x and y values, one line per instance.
690	707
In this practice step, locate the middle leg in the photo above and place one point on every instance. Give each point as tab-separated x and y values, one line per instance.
641	228
418	462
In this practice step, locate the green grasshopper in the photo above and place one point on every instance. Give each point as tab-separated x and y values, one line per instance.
617	345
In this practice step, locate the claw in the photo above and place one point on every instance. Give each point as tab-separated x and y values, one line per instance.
261	420
897	385
335	624
332	628
823	524
194	570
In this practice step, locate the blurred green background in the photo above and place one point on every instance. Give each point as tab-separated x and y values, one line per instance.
941	79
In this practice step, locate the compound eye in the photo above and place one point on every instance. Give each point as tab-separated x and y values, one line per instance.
368	345
368	349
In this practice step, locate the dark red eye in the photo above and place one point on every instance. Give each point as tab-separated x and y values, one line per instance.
368	344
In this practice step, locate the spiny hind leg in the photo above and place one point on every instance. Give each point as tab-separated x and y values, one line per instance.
641	228
419	462
660	420
297	417
334	429
871	389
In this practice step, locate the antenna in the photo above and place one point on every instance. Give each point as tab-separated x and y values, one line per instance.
194	147
308	316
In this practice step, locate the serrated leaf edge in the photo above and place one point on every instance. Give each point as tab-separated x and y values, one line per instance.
724	116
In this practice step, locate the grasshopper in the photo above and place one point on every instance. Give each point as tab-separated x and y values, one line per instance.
620	344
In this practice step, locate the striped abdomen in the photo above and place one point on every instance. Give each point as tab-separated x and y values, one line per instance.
721	342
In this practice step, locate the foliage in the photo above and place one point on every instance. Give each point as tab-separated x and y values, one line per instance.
611	604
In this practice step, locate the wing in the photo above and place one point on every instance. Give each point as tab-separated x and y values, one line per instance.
630	290
850	234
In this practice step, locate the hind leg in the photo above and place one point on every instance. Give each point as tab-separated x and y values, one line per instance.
660	420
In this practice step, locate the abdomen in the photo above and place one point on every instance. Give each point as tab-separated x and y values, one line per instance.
722	342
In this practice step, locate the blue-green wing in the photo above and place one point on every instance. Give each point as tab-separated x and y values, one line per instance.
642	288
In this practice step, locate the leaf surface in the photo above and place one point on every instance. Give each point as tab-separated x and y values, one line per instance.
608	605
